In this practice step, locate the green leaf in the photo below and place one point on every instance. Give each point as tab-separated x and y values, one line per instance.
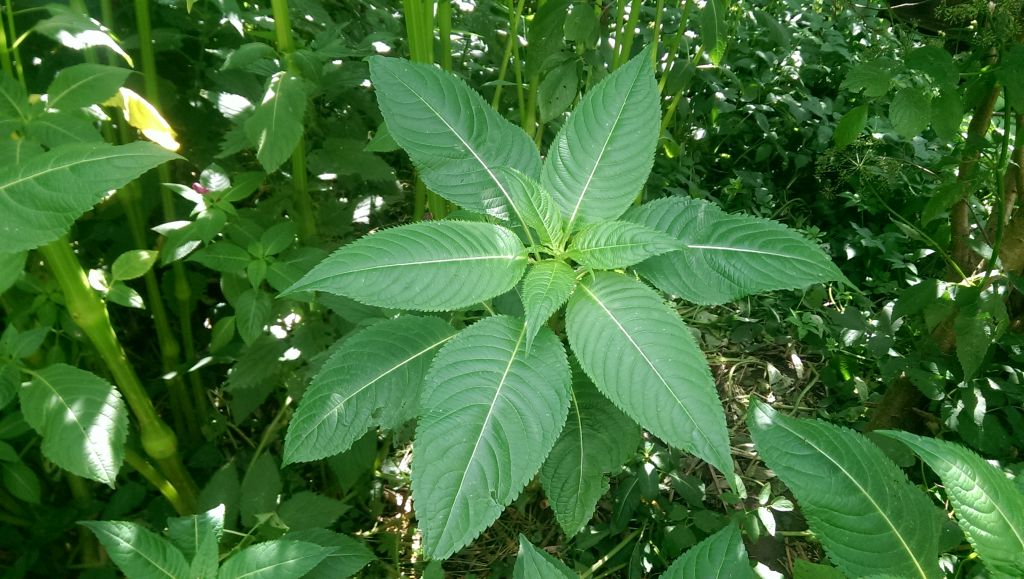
720	555
849	127
869	518
558	90
544	35
84	85
274	560
373	379
910	112
491	413
82	420
253	309
973	338
11	267
223	488
415	266
582	25
43	196
1009	74
456	140
713	34
658	376
600	158
947	114
197	536
727	257
56	129
349	556
77	31
803	569
275	127
534	563
260	488
223	256
598	438
873	77
988	507
937	63
21	481
308	510
533	206
546	288
133	264
13	99
617	244
138	552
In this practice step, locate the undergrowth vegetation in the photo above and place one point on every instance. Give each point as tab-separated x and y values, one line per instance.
554	288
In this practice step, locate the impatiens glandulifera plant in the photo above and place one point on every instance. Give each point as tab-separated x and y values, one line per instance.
494	399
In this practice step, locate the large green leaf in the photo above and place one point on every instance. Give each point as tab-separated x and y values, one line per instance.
82	420
490	415
83	85
42	197
869	518
713	33
13	99
720	555
615	244
546	288
427	266
600	158
348	557
597	439
988	506
455	139
139	552
275	128
198	536
657	374
727	256
373	379
534	563
274	560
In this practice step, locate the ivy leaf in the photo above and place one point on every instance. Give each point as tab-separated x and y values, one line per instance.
82	420
456	140
546	288
43	196
275	127
726	257
534	563
988	507
658	376
869	518
616	244
720	555
416	266
490	414
274	560
373	379
83	85
137	551
602	155
597	439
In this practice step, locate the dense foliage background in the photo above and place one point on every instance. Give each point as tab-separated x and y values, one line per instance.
890	136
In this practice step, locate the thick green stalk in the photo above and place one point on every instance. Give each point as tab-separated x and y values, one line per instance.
5	57
628	32
419	28
153	476
300	183
20	72
444	32
90	313
182	289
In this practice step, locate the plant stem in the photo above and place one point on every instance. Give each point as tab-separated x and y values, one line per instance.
607	557
672	48
516	13
14	47
628	33
419	28
90	313
5	57
444	32
182	289
142	466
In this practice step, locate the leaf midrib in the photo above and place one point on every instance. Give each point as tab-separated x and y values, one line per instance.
140	553
429	262
864	492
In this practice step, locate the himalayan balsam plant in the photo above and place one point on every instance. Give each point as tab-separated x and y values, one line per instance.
496	401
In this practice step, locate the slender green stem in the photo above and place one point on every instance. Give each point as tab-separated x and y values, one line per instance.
419	28
153	476
90	313
444	32
672	48
20	72
608	556
626	46
517	69
516	14
5	57
658	13
1000	175
268	434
